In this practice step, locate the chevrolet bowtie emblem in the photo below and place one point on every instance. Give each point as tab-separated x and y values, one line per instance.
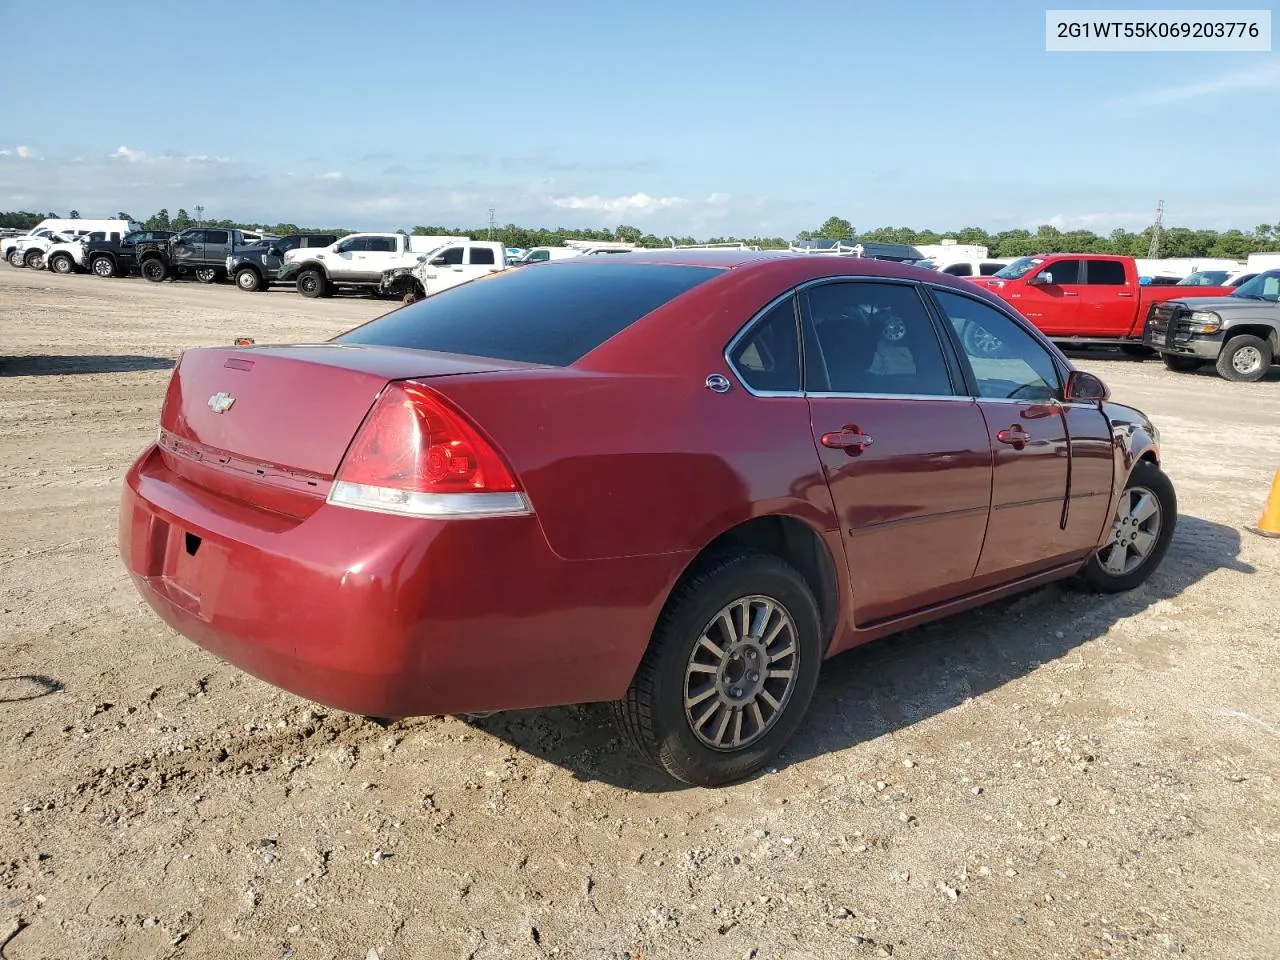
221	402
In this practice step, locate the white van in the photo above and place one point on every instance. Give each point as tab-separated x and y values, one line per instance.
539	254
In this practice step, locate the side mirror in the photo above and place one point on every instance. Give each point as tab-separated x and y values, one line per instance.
439	262
274	251
1040	279
1084	388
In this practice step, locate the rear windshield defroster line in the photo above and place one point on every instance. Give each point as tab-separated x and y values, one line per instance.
537	314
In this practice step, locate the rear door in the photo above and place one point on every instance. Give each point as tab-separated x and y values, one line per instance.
1054	305
906	454
382	253
1108	301
217	246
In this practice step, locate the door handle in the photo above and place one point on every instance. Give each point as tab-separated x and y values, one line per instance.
1015	436
850	439
1124	294
1068	293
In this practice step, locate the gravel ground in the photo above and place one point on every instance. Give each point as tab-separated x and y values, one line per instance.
1055	776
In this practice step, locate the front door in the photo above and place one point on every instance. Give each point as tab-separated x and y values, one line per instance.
187	249
1053	305
1018	385
905	452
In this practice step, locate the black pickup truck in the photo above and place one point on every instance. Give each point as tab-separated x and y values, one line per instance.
257	267
118	258
200	250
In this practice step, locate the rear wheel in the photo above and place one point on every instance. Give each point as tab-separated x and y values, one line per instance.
311	283
103	267
729	671
62	263
248	280
1244	359
34	259
206	274
1182	364
154	270
1145	517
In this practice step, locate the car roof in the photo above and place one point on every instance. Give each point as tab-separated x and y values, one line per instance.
758	260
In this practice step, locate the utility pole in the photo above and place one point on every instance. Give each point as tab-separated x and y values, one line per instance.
1153	252
199	215
491	223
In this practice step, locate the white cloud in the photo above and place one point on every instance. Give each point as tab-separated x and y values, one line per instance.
6	153
332	175
1259	78
125	153
23	151
1097	222
636	203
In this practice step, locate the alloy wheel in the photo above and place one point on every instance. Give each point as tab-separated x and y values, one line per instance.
1134	532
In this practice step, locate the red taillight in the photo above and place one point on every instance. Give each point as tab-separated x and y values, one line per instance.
416	454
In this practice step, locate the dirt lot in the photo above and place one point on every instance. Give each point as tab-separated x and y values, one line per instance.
1059	776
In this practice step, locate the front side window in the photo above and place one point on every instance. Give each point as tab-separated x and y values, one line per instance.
872	338
959	270
1103	273
539	255
1007	362
450	257
192	236
354	245
1061	273
768	357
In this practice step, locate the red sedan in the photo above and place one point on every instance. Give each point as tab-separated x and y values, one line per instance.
673	480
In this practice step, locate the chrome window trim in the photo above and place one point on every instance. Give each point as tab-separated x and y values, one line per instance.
949	398
747	328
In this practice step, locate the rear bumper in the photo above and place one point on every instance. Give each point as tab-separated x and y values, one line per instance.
388	616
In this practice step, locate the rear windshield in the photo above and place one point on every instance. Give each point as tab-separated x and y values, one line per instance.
546	315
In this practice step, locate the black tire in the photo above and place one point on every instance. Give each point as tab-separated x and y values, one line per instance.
62	263
312	284
1181	364
34	260
1094	576
248	280
154	270
207	274
652	714
15	259
1244	359
103	267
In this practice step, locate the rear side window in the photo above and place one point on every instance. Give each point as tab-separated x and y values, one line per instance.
481	255
215	236
552	316
990	269
1107	273
959	270
381	244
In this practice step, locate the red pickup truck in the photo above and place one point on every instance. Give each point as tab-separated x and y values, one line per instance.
1084	298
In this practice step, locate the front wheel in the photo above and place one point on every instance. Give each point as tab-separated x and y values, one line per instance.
154	270
1244	359
1145	517
1179	363
34	260
248	280
729	671
206	274
311	284
62	263
103	267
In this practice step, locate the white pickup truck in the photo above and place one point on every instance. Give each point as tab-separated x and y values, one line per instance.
447	266
357	260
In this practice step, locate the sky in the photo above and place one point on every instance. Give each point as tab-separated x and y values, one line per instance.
746	118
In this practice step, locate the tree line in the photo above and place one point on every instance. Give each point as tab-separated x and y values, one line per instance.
1174	241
